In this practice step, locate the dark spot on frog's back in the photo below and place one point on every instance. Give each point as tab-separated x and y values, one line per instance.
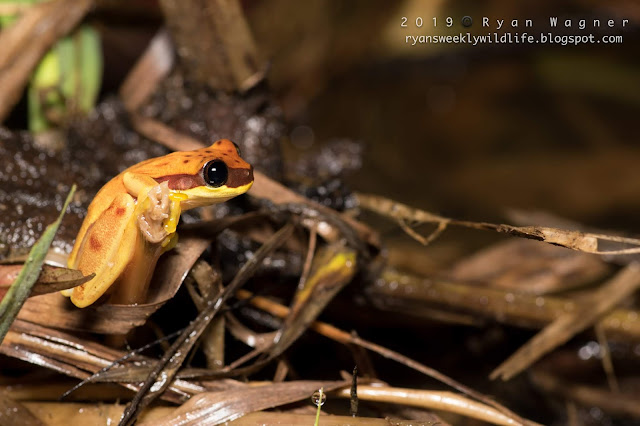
185	161
94	243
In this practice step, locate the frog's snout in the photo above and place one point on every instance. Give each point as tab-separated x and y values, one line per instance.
249	173
240	177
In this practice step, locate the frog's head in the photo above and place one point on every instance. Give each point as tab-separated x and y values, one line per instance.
208	175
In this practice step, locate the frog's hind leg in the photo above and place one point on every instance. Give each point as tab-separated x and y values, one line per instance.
133	284
106	250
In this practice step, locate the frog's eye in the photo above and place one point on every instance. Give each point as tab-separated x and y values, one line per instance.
237	149
215	173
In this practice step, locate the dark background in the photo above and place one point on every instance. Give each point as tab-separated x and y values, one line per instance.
467	130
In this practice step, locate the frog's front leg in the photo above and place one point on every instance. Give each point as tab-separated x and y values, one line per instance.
156	216
157	210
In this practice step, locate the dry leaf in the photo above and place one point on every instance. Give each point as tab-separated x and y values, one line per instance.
528	267
118	319
52	279
79	358
590	310
212	408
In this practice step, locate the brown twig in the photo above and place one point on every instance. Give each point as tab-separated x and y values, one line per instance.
397	290
607	362
311	249
344	337
567	325
166	368
575	240
150	69
438	400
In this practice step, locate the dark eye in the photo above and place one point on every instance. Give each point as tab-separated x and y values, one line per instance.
215	173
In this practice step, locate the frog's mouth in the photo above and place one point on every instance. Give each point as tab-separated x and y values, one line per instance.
204	196
207	195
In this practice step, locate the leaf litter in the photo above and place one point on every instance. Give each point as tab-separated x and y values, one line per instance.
327	270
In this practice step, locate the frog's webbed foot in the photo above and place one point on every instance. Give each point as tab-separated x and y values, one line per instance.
158	214
152	211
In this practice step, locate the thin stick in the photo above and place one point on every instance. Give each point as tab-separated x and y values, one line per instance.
600	302
438	400
343	337
311	249
607	362
167	365
575	240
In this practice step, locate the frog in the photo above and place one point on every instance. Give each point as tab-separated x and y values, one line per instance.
133	218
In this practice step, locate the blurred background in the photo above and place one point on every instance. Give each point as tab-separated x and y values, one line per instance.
467	130
464	130
472	132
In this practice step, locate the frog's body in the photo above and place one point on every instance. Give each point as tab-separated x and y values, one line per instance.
132	220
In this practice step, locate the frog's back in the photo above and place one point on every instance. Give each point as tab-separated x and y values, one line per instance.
105	197
190	163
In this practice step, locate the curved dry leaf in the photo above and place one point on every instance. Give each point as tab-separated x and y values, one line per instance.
332	269
79	413
65	413
51	279
526	266
118	319
211	408
79	358
106	319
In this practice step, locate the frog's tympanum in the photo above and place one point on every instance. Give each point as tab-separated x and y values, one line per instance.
133	218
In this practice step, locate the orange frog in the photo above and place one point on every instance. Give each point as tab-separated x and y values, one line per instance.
132	220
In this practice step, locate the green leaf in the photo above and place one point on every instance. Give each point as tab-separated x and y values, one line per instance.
67	80
20	289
